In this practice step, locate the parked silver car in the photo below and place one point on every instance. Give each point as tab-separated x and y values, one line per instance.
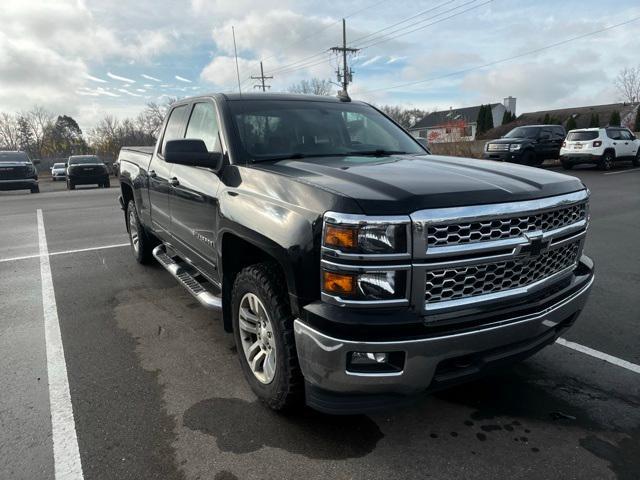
58	171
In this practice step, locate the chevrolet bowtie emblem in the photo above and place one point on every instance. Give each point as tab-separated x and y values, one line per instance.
537	244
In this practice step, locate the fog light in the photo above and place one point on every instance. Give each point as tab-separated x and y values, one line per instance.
366	358
375	362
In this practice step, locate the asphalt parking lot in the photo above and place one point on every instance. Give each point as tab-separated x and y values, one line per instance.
157	390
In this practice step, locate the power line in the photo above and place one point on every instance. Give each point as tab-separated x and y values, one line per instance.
326	27
506	59
306	65
382	39
400	22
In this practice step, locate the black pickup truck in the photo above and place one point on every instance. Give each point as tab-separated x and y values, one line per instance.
353	268
17	172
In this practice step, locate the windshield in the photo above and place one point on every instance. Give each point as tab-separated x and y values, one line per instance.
270	130
83	160
14	157
58	165
582	136
523	132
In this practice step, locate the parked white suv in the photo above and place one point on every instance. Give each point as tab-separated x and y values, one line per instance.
602	146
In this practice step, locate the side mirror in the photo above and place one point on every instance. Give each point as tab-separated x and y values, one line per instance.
193	153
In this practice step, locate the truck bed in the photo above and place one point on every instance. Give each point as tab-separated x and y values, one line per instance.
140	156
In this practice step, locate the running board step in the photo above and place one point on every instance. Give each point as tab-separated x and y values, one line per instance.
193	286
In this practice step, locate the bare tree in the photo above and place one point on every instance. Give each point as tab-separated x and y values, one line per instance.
315	86
9	132
40	123
407	117
628	84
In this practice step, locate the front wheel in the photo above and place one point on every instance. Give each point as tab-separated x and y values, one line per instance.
107	184
70	185
636	159
35	189
529	158
263	331
566	165
141	243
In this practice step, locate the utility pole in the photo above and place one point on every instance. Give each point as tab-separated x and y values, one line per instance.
347	74
262	78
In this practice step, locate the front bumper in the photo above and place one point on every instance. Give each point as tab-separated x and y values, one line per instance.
20	184
430	363
507	156
89	180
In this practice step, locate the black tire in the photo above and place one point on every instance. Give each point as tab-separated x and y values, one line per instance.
636	159
35	189
107	184
606	162
70	185
143	252
265	280
529	159
567	165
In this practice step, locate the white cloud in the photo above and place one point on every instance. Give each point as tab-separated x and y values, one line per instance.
95	79
182	79
118	77
221	71
149	77
371	61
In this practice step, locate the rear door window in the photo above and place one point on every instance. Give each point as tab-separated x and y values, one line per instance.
625	135
175	125
613	134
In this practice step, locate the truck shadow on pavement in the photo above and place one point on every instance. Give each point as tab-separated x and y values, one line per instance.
307	432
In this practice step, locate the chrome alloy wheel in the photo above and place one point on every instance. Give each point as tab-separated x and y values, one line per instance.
133	231
258	341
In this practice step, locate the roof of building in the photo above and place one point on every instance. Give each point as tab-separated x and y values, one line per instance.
436	119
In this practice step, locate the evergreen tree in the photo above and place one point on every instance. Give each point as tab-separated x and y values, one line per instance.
594	121
506	118
488	118
614	120
597	120
480	121
636	127
546	120
571	123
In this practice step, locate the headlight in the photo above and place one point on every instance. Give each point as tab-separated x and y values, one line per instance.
351	235
349	242
364	286
514	146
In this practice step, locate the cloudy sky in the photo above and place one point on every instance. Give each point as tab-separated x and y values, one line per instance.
87	58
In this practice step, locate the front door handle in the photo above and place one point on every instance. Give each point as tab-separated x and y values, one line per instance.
174	182
152	174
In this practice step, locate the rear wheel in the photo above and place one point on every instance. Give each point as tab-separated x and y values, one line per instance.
636	159
606	163
107	184
35	189
566	165
263	331
142	244
70	185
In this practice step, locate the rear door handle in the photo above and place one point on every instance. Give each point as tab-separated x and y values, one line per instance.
174	182
153	174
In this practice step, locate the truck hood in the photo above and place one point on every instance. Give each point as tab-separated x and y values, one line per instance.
402	184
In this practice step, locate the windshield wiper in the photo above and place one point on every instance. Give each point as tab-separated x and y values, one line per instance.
377	153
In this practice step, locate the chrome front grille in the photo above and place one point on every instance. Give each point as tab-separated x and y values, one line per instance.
468	256
498	147
502	228
487	278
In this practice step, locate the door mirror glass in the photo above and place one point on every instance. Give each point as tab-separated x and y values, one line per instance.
193	153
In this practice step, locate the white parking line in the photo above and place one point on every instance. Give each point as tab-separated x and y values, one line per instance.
66	456
623	171
597	354
65	252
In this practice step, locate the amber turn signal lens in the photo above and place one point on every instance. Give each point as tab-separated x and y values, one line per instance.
338	283
340	237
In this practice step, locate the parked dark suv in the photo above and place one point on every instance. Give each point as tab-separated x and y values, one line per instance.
17	172
87	170
528	145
